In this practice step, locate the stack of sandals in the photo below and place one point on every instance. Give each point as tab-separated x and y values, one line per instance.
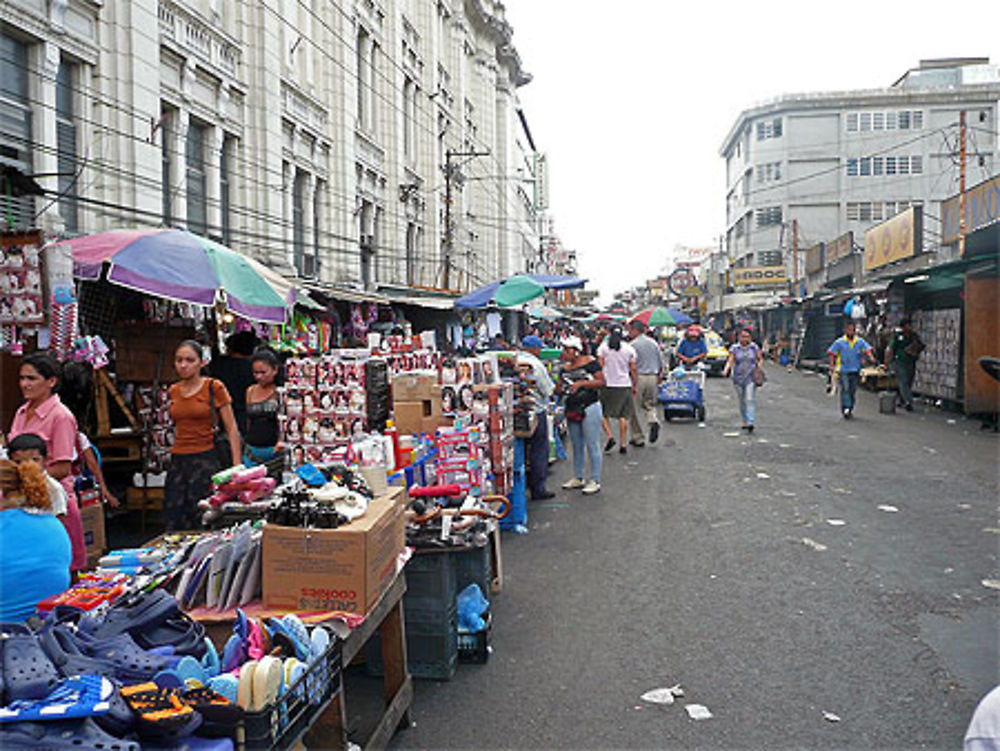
68	681
144	672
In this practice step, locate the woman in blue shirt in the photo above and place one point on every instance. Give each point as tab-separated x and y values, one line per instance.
34	545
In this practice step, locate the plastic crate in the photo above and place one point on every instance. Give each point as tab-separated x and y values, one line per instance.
430	581
431	645
474	648
280	724
472	566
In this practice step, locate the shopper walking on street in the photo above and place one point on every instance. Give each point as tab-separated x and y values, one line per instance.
618	361
193	458
538	444
44	414
903	350
649	369
581	381
847	355
745	357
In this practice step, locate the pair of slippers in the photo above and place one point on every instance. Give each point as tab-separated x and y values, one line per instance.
263	681
79	696
190	671
168	712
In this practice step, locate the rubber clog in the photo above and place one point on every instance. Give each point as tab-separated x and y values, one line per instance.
133	613
66	735
79	696
28	673
131	663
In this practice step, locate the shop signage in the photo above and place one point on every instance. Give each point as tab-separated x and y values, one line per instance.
839	248
760	275
541	181
814	258
982	207
895	239
680	280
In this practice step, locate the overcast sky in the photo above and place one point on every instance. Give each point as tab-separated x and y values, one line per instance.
631	100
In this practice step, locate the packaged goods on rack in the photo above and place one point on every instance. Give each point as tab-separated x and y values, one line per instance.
330	401
157	426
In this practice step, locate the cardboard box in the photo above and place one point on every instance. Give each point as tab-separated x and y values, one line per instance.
93	530
409	416
415	387
345	569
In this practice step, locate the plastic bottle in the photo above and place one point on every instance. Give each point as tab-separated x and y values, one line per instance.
393	434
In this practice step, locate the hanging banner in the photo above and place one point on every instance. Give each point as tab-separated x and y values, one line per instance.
895	239
541	181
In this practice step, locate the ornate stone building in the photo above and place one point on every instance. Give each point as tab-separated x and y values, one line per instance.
321	136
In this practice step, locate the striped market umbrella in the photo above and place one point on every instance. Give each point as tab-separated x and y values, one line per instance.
178	265
655	317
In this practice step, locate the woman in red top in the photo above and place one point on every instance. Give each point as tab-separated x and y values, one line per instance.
44	414
193	457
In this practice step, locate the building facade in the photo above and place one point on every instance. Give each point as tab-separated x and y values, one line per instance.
806	169
357	144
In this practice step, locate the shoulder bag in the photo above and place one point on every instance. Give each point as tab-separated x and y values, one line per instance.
759	376
220	441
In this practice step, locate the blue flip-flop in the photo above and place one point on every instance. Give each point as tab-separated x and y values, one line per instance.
79	696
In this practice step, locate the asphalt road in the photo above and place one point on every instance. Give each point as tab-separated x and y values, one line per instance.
758	573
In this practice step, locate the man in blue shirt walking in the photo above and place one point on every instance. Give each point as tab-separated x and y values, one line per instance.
846	357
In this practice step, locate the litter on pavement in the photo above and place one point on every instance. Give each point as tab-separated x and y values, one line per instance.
831	717
836	522
663	695
889	509
992	530
658	696
991	583
763	476
698	712
731	435
811	543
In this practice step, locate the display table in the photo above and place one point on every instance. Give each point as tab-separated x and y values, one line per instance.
877	379
329	728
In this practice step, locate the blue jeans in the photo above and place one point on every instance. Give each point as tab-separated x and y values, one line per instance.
905	371
586	436
538	457
747	394
848	387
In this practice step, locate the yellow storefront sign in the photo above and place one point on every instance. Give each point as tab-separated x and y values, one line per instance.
759	275
894	239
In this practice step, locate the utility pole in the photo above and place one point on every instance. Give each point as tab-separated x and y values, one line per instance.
795	256
449	237
961	184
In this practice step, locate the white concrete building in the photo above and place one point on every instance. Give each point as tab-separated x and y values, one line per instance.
312	134
844	161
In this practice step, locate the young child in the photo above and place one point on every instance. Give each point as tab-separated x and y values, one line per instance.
29	447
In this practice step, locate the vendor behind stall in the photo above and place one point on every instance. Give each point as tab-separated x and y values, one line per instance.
235	370
194	458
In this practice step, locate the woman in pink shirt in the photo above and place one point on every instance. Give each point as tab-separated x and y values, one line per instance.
44	414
